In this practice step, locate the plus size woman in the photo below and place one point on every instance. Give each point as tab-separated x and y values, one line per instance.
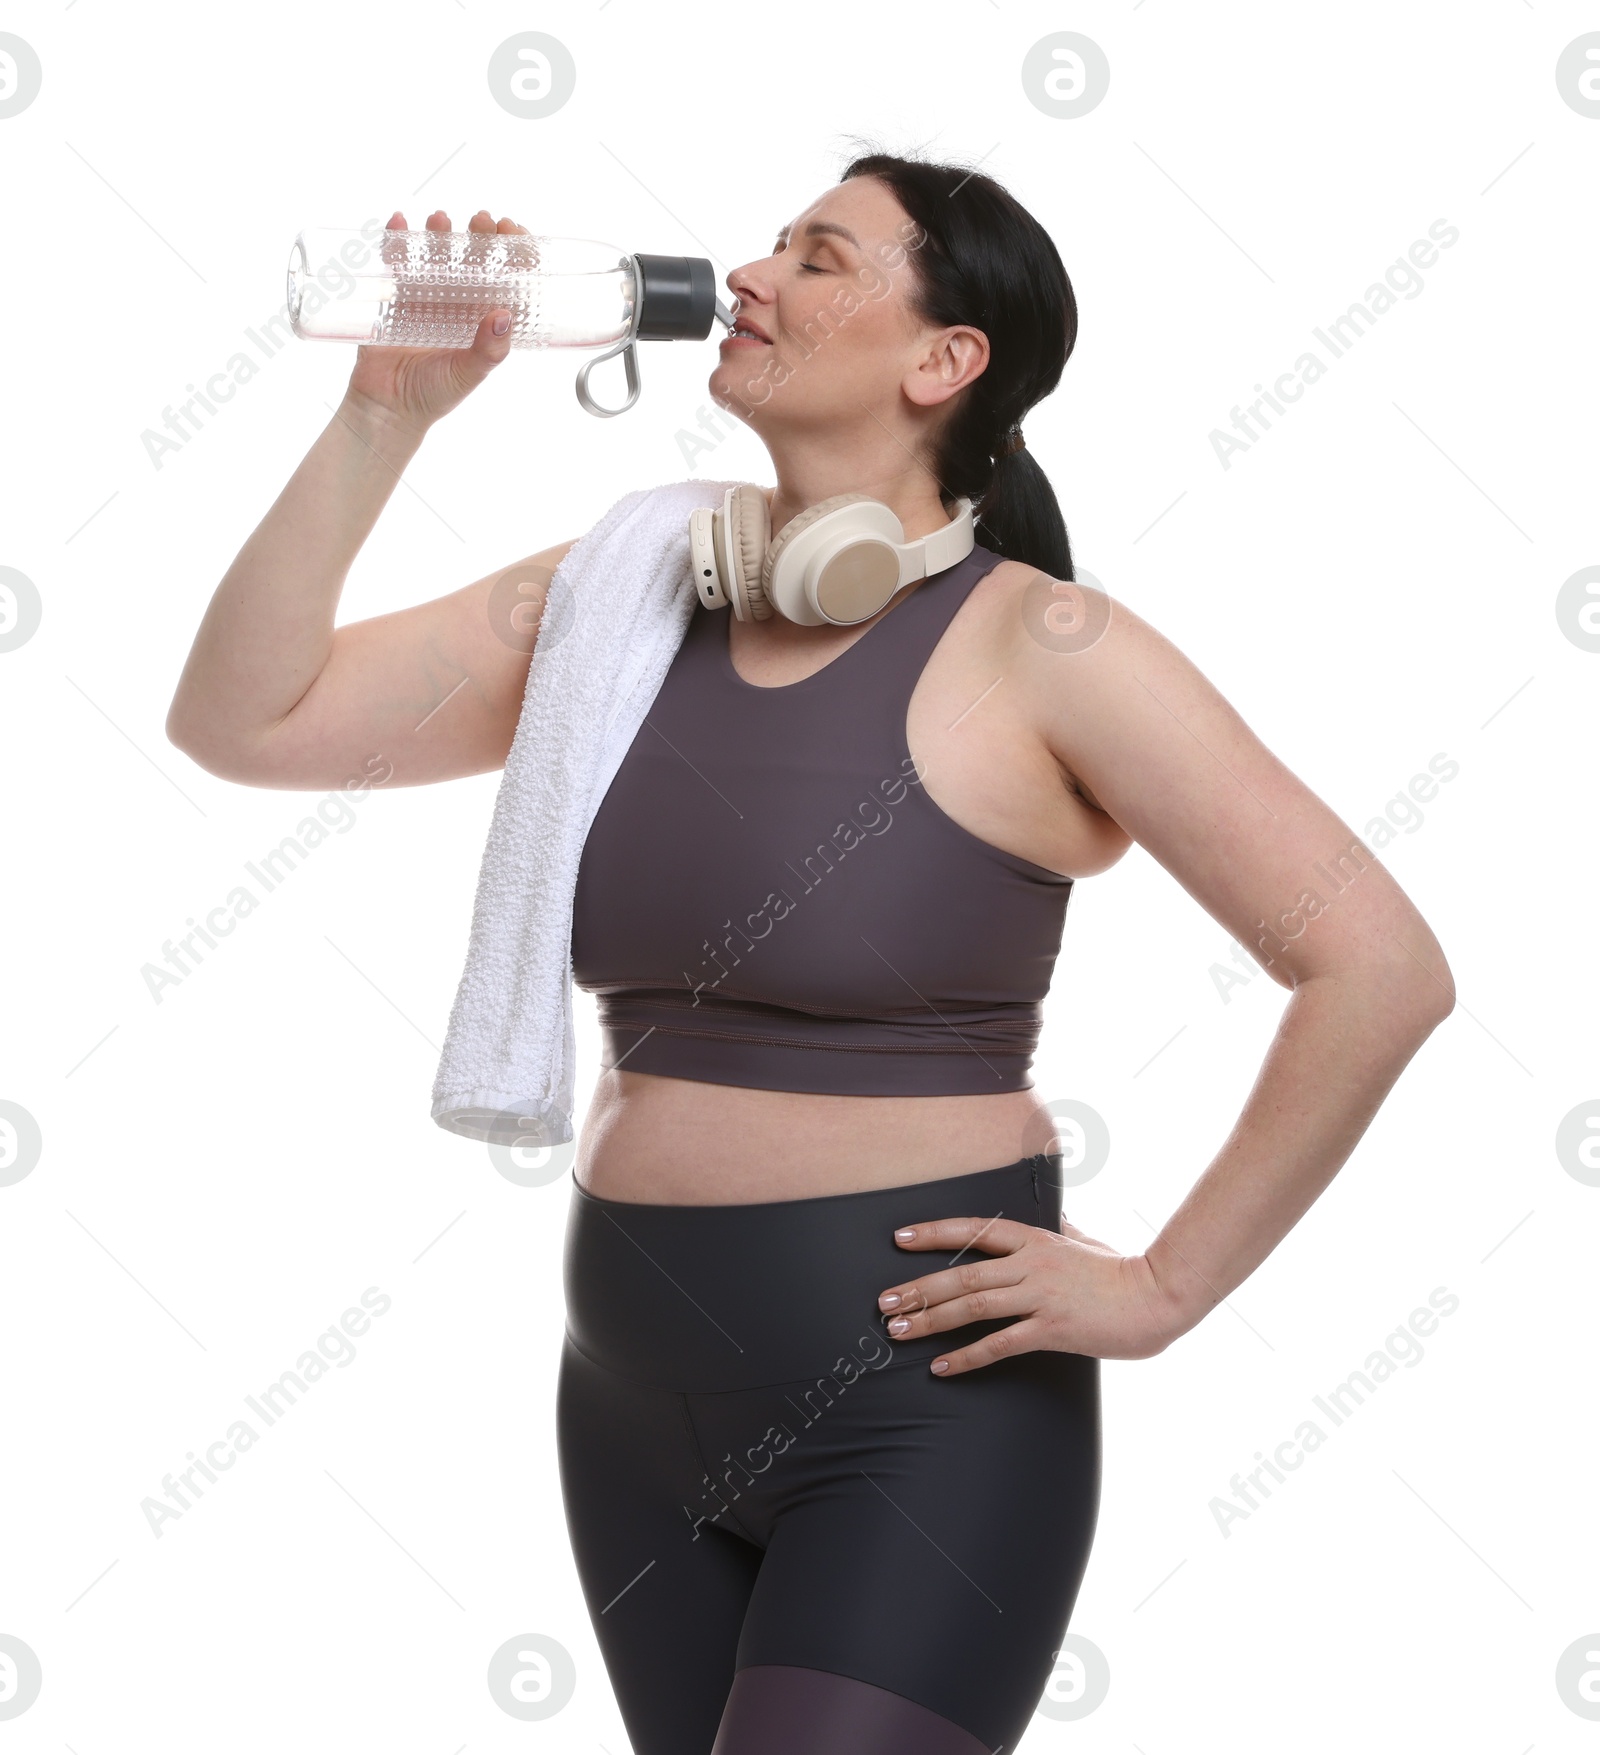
828	1413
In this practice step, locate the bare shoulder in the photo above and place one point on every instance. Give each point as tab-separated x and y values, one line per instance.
1079	653
1032	621
1107	692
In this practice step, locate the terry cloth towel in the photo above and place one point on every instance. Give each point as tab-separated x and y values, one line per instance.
616	613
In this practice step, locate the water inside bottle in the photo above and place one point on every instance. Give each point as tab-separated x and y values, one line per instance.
432	289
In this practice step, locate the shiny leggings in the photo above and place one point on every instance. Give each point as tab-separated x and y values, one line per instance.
794	1539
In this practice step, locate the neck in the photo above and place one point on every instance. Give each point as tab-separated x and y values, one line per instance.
902	484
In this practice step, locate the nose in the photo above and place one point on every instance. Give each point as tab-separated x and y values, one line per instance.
743	287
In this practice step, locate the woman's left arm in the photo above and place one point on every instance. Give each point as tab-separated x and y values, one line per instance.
1160	750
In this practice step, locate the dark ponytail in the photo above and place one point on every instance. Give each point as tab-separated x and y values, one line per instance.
982	259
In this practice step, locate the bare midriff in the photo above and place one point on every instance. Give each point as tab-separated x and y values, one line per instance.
679	1142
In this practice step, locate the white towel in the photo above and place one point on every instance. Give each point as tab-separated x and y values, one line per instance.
619	606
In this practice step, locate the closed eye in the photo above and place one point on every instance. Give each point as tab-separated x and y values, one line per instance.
782	244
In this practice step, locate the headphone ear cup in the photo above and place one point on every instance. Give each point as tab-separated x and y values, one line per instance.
801	521
749	528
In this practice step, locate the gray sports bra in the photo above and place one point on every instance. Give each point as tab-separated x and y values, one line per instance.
767	896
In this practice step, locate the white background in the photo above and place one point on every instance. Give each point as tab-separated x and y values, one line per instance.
1373	583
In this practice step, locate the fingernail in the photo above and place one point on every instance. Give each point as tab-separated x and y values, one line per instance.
940	1365
906	1235
899	1325
889	1300
501	325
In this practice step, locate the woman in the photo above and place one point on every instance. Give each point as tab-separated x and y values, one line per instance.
828	1401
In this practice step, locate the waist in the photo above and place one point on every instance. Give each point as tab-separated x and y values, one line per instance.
706	1299
661	1139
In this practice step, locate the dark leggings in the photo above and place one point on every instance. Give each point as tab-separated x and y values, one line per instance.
793	1538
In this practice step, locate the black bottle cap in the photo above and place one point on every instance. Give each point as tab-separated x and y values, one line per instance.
677	298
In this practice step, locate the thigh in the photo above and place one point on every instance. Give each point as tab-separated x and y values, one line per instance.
665	1574
924	1535
782	1709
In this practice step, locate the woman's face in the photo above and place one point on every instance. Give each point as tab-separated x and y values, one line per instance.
836	341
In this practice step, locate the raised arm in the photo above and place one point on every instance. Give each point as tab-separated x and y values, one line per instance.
274	695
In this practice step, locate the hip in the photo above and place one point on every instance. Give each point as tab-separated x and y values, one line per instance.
714	1298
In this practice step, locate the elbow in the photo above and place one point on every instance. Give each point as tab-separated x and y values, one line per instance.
1444	997
188	732
1436	984
208	748
180	732
1418	977
1428	996
1411	997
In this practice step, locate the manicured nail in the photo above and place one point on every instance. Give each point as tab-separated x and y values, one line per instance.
889	1300
906	1235
899	1325
940	1365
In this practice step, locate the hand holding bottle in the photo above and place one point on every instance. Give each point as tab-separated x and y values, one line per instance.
417	385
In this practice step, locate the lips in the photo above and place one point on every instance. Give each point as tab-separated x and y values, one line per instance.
755	331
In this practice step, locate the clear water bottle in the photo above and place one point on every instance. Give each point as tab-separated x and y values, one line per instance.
432	289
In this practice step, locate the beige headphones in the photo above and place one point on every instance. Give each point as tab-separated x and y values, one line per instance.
839	561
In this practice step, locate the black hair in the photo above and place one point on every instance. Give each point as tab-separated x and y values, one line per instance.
980	258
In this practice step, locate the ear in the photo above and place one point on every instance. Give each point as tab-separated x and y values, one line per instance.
952	359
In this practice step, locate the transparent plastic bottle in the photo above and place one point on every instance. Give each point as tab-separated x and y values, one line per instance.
433	289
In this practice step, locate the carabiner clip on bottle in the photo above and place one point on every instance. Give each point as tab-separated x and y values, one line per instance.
674	299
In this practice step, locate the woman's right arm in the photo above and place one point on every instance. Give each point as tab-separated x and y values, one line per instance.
274	695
